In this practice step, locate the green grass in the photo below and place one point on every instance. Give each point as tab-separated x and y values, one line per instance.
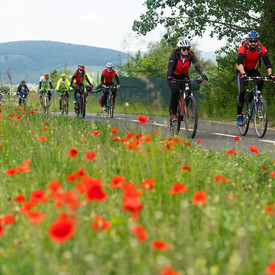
220	237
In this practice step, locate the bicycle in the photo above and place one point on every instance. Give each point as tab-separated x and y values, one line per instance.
45	100
110	101
187	110
64	103
23	99
258	103
80	105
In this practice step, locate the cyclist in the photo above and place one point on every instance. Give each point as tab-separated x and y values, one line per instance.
79	78
63	87
107	79
179	63
45	84
22	90
248	58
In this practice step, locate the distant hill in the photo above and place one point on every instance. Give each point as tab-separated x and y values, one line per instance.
30	59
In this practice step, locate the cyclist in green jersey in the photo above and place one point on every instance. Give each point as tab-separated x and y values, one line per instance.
63	87
45	84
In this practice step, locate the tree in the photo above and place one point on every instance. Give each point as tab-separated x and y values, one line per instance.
227	18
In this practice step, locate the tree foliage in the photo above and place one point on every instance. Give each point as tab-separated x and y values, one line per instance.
231	19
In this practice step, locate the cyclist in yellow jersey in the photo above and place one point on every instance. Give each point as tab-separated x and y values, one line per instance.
63	87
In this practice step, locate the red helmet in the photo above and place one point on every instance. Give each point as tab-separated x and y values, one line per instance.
81	67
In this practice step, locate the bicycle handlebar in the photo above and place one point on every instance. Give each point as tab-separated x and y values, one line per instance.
254	78
186	80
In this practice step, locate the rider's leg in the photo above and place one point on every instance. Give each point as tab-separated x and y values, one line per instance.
114	90
175	92
241	93
104	98
41	99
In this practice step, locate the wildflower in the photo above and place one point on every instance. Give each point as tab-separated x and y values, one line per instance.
27	162
44	129
100	223
90	156
117	181
114	131
148	184
264	168
142	119
35	110
38	196
200	197
2	229
35	216
43	138
159	245
185	168
254	149
19	198
11	171
186	143
62	229
54	186
272	175
132	204
156	133
8	219
231	152
95	133
178	188
148	139
198	140
221	179
237	138
270	270
270	209
46	123
95	192
140	233
167	270
72	152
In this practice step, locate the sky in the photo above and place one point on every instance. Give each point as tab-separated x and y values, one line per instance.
104	24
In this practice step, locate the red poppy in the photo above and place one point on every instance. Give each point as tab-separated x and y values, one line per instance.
72	152
44	129
254	149
200	197
100	223
8	219
35	110
95	133
15	123
231	152
147	139
19	198
178	188
156	133
237	138
159	245
264	168
38	196
27	206
95	192
270	270
19	117
24	168
62	229
11	171
198	140
2	229
46	123
90	156
117	181
27	162
140	233
167	270
132	204
272	174
54	185
142	119
148	184
270	209
185	168
43	138
186	143
221	179
35	216
114	131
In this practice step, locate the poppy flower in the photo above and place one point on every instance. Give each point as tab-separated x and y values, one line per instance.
62	229
43	138
142	119
178	188
132	146
19	198
221	179
11	171
186	143
2	229
254	149
27	162
100	223
200	197
270	209
147	139
140	233
44	129
272	175
231	152
35	110
198	140
148	184
54	185
23	168
15	123
95	133
46	123
159	245
117	181
264	168
185	168
132	204
38	196
156	133
90	156
8	219
167	270
237	138
114	131
27	206
270	270
35	216
72	152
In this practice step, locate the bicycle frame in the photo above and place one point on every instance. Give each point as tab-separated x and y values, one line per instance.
110	101
80	101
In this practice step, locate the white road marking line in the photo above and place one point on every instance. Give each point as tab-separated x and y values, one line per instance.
265	140
219	134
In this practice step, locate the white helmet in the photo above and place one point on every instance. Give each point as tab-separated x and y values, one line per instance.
109	65
184	43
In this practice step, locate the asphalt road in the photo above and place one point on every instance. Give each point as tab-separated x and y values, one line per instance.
213	135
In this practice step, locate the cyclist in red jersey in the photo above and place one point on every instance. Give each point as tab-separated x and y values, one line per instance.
80	77
249	55
179	63
107	79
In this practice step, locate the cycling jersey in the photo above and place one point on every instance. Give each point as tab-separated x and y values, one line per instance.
108	77
80	79
45	84
62	85
22	89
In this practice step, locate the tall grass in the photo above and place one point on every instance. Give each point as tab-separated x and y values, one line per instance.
230	234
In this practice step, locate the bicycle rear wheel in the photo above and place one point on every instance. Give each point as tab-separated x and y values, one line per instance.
77	106
175	125
46	104
191	117
111	107
246	119
83	109
260	117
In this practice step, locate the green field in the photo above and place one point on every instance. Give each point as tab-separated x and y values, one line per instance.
226	228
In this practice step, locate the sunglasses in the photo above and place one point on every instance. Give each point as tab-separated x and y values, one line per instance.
80	70
185	48
253	41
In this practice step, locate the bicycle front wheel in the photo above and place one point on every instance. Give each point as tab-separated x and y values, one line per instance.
46	104
246	118
260	117
191	116
83	109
